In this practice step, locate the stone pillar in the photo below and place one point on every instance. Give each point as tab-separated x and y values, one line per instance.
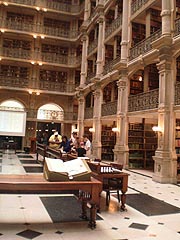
100	51
124	41
84	60
80	121
121	150
96	142
148	23
87	9
166	17
165	168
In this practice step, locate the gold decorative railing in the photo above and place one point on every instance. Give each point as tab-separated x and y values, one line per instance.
113	26
137	4
39	29
88	113
108	67
90	76
177	93
54	58
12	81
69	8
144	46
109	108
52	115
143	101
23	2
17	53
93	45
177	27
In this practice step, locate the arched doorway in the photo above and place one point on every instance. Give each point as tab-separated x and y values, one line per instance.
49	118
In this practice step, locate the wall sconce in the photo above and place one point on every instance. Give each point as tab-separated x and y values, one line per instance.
140	78
157	129
91	130
115	129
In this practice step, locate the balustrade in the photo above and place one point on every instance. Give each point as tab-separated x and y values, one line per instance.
23	2
108	67
88	113
93	45
109	108
177	27
143	101
177	93
114	26
17	53
144	46
11	81
137	4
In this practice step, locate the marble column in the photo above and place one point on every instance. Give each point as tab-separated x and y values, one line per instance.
165	168
100	51
84	60
80	121
96	142
166	17
124	41
121	150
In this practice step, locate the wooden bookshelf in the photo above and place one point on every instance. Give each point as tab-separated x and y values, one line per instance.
155	20
138	33
136	86
108	140
142	143
16	43
177	146
53	76
55	49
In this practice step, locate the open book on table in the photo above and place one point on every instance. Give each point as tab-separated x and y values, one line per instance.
57	170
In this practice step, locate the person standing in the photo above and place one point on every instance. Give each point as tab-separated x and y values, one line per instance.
55	140
87	145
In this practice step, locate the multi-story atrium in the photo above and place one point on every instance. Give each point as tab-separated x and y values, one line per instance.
106	68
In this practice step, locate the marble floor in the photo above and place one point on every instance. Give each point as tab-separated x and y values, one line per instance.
156	216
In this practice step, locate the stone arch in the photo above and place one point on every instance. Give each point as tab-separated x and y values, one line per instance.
12	104
50	111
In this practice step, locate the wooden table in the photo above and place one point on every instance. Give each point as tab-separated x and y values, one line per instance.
89	190
115	175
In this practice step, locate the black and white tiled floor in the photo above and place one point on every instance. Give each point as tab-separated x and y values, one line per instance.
28	217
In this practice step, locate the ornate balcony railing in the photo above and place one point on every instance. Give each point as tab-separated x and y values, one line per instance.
90	76
12	81
177	27
137	4
64	7
144	46
108	67
177	94
23	2
143	101
55	86
109	108
54	58
88	113
39	29
49	115
93	45
21	26
17	53
113	26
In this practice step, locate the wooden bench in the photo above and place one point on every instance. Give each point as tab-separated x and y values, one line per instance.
46	151
89	191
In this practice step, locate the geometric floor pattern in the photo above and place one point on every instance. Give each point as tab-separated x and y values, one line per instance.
152	210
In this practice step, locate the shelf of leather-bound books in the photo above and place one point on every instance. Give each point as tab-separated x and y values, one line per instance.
108	140
136	159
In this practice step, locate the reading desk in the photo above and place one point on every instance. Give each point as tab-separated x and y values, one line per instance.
89	190
112	178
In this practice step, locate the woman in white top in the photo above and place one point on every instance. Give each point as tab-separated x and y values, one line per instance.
87	145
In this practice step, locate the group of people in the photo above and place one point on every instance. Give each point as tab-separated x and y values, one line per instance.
80	147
